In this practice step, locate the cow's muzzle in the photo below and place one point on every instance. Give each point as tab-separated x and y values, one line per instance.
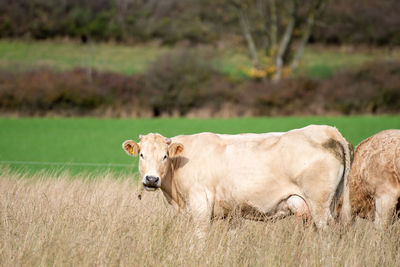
151	183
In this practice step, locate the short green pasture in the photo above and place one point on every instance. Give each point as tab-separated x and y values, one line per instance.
19	55
318	62
90	144
322	62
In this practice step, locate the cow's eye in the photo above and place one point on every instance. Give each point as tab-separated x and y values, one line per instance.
141	155
165	157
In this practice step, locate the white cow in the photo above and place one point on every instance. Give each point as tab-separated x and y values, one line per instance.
259	175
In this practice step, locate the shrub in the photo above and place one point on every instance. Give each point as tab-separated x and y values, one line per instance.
185	82
366	22
375	88
175	82
80	91
288	97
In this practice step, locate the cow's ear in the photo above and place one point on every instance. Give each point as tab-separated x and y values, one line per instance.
131	147
175	149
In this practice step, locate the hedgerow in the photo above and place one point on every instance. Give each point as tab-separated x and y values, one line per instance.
182	83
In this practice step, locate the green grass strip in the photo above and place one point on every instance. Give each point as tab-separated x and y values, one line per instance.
74	141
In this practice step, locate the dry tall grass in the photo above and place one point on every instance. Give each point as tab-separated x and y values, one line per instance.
56	221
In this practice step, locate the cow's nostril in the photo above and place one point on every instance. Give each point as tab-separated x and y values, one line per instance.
152	179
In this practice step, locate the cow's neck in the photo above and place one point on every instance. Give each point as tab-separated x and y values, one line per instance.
170	189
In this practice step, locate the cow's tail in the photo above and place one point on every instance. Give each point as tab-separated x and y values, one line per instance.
345	213
340	206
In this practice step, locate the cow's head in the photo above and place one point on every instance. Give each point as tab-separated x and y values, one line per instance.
155	154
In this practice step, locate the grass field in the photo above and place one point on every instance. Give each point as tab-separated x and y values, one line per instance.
91	215
320	62
48	220
32	144
67	197
19	55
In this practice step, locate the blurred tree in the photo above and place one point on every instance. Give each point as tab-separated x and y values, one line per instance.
262	24
283	22
371	22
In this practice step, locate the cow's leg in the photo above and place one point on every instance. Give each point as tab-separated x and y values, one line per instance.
202	218
319	189
201	210
319	202
385	204
298	206
320	214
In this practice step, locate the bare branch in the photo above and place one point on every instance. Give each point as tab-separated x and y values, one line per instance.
244	24
273	28
314	12
286	39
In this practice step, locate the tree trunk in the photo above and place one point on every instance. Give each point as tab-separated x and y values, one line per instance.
249	39
273	28
314	12
286	39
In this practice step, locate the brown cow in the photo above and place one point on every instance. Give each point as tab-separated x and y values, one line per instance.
259	175
375	177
